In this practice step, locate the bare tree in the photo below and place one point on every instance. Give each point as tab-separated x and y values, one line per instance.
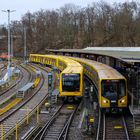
71	26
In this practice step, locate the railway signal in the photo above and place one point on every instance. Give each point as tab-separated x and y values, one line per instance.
50	78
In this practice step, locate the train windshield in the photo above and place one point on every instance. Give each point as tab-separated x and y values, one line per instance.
70	82
113	89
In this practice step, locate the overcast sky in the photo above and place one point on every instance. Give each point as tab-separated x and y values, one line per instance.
22	6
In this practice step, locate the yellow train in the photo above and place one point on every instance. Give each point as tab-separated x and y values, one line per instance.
110	84
71	76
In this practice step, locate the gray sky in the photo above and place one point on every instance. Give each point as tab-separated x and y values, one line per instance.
22	6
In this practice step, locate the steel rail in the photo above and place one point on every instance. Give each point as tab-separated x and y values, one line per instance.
12	112
123	134
125	128
16	111
14	89
12	86
28	136
41	133
104	127
64	133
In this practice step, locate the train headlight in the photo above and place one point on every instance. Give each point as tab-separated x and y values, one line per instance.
122	100
104	101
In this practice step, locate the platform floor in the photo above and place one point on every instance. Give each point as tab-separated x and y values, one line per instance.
135	110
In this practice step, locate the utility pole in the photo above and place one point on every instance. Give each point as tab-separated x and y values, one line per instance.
25	47
11	45
8	11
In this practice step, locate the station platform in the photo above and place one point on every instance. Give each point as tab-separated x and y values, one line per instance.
135	111
22	91
26	87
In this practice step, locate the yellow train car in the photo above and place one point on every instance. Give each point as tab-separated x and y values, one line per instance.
110	84
71	76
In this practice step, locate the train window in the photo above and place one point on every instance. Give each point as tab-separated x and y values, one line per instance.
113	89
70	82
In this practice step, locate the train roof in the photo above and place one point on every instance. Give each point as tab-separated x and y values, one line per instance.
70	62
73	70
104	71
72	66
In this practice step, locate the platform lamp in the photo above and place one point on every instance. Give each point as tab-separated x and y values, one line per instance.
8	11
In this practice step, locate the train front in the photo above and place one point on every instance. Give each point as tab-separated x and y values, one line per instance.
71	86
113	95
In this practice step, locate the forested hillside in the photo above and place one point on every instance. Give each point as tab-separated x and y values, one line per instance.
99	24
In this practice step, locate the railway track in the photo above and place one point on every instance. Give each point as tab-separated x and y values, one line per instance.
7	95
25	131
115	128
25	76
130	127
3	72
19	115
14	83
98	123
112	127
58	125
99	129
